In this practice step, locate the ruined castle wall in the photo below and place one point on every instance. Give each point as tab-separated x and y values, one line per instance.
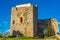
54	25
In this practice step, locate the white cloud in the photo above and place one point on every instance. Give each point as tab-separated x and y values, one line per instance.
58	22
7	30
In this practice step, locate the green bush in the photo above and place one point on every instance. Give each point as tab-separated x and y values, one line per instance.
49	31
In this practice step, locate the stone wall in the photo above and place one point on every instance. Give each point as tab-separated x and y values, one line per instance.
54	25
23	21
42	24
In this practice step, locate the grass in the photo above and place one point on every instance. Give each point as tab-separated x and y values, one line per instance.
31	38
19	39
52	37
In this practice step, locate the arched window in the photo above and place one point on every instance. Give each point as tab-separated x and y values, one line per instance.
13	21
21	19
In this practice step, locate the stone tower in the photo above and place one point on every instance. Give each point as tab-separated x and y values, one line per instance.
24	20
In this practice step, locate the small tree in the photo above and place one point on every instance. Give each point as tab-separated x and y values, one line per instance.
1	34
49	31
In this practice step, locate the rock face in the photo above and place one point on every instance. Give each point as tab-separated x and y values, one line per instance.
24	20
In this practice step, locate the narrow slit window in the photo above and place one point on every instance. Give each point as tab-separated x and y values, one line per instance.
16	9
21	19
13	21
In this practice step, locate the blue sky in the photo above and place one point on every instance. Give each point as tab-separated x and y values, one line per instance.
46	9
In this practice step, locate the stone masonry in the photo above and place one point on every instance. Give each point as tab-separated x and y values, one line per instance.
24	20
43	24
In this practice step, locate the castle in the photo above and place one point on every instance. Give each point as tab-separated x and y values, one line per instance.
25	22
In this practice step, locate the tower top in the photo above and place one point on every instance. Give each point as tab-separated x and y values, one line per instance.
23	5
